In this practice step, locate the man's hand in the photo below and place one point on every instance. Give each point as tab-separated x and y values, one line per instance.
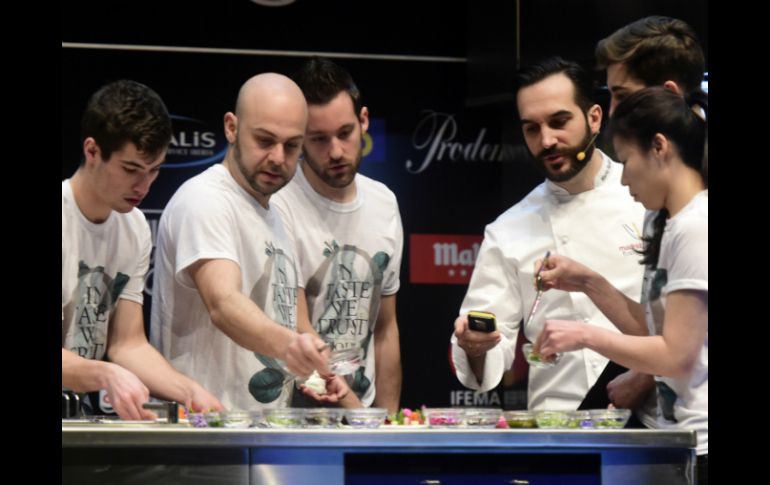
126	394
630	389
201	400
306	353
475	344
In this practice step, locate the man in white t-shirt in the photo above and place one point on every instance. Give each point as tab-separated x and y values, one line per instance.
347	232
225	284
106	248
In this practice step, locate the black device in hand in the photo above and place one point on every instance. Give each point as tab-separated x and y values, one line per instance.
481	321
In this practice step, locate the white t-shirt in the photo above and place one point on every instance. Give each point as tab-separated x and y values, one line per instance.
683	265
212	217
100	264
349	256
599	228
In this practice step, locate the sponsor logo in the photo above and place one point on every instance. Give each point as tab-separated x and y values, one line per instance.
474	398
633	248
435	135
373	141
194	144
442	258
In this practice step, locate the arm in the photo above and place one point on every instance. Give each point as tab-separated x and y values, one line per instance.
126	391
672	354
387	356
128	347
563	273
219	284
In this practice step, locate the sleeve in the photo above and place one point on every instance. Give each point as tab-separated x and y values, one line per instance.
686	257
494	287
202	227
134	288
392	278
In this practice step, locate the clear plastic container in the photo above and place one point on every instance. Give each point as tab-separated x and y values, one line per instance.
535	360
366	417
346	361
481	417
444	417
520	419
237	419
323	417
610	418
285	417
580	420
552	419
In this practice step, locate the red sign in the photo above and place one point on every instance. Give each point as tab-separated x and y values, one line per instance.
442	258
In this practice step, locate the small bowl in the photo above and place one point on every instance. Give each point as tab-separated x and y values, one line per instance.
580	420
610	418
552	419
482	417
535	360
444	417
285	417
323	417
238	419
366	417
520	419
347	361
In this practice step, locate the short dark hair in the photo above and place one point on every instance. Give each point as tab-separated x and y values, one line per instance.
654	50
126	111
321	80
544	68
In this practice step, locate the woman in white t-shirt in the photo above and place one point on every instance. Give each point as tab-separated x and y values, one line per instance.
663	145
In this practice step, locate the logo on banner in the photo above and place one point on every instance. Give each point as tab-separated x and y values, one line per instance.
435	134
194	144
373	141
442	258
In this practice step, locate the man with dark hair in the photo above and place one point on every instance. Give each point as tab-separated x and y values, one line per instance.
347	232
581	210
653	51
106	248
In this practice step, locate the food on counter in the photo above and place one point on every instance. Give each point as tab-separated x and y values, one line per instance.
482	417
285	417
406	416
580	419
444	417
316	383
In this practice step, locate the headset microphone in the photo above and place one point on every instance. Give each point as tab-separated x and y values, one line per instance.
582	155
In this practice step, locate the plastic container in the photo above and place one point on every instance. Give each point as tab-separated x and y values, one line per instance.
323	417
580	420
535	360
552	419
610	418
481	417
444	417
366	417
520	419
285	417
347	361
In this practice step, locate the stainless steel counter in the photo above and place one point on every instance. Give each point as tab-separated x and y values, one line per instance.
179	454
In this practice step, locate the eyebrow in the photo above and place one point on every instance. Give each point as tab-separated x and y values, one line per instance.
557	114
142	166
346	126
262	131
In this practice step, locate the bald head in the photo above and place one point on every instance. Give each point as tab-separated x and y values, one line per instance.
266	88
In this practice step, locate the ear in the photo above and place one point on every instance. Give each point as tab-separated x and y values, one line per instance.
660	146
363	118
90	150
672	86
595	118
231	127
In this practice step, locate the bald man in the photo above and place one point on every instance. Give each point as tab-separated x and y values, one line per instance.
225	281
